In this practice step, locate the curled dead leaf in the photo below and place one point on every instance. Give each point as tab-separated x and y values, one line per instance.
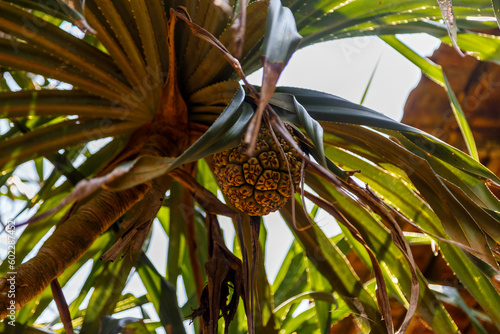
83	189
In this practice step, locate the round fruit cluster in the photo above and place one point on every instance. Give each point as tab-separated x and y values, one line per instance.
260	184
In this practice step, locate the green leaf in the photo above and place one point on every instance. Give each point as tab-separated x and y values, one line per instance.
93	276
74	9
205	177
31	311
48	139
446	8
112	325
470	191
475	281
462	121
280	41
334	266
482	46
438	152
418	239
29	103
17	328
325	20
21	78
281	38
293	325
39	168
451	296
326	107
264	289
67	47
316	295
162	294
455	219
323	308
436	73
176	233
369	83
292	276
496	10
125	302
108	288
299	115
88	168
28	58
380	242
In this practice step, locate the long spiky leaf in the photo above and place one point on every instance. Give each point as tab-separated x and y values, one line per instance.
64	46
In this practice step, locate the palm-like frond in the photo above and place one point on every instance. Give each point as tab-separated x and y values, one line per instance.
375	175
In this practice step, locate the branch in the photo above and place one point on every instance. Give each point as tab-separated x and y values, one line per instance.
66	245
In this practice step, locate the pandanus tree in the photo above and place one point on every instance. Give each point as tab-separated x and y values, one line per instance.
165	80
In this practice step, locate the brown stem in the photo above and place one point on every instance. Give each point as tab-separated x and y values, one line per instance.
191	240
62	306
65	246
254	237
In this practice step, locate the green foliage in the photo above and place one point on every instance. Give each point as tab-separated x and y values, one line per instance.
60	93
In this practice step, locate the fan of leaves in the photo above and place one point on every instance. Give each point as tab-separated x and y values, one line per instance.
162	82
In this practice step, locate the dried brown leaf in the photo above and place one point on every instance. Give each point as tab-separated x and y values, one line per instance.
202	33
138	220
254	236
208	201
62	306
272	72
381	291
223	270
388	216
83	189
239	27
225	5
